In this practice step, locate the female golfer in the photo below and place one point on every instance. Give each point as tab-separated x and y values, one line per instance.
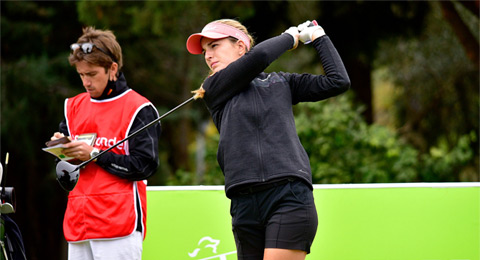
267	171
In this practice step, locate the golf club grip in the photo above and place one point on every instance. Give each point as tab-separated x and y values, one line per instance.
135	133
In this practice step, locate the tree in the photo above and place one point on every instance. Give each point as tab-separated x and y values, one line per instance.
437	101
358	27
460	27
34	83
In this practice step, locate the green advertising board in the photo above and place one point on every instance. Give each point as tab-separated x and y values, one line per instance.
415	221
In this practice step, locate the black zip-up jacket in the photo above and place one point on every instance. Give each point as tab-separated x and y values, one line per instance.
252	111
142	161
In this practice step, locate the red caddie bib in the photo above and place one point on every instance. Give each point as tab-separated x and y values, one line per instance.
102	205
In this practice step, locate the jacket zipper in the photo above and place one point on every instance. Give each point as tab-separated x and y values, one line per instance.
259	146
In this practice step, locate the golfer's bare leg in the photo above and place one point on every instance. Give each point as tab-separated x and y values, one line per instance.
284	254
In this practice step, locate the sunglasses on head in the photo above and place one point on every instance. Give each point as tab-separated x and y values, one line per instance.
88	48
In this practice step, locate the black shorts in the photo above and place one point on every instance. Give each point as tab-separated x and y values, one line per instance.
283	216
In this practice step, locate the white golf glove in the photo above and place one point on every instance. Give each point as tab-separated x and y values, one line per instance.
307	29
293	31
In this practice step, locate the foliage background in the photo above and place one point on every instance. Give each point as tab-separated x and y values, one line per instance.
411	116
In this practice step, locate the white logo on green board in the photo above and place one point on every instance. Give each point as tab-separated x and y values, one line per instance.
207	243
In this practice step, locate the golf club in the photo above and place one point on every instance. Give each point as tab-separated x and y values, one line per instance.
7	195
68	174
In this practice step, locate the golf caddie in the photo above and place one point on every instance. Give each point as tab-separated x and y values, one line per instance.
106	210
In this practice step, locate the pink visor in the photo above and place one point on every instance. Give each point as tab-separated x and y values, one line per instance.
215	30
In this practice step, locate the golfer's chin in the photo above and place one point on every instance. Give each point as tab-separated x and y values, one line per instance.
216	68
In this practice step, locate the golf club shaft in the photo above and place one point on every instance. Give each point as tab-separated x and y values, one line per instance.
135	133
4	178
